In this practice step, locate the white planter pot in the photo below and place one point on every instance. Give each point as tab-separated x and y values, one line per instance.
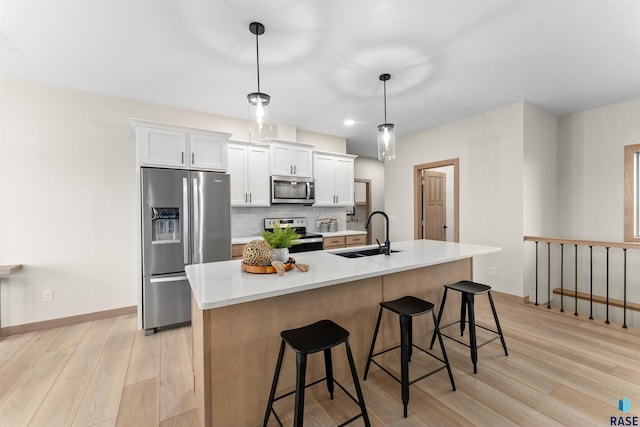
281	254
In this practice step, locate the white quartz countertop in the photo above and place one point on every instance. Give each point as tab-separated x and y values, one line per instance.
246	239
218	284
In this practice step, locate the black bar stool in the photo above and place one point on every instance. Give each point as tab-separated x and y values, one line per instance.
469	290
319	336
408	307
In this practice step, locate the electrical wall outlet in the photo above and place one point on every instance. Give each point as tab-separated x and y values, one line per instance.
47	295
493	271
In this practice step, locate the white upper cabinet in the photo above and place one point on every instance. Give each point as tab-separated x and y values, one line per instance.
333	175
207	152
174	146
291	159
162	147
249	170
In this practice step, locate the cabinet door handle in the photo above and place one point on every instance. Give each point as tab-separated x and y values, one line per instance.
245	197
295	170
193	158
337	198
291	169
249	197
182	157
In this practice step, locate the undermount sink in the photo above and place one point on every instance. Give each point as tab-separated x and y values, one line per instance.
361	253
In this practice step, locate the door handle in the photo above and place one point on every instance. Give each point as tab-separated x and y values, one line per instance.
249	197
193	158
196	257
185	220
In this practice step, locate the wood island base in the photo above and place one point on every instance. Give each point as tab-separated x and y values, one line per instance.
235	347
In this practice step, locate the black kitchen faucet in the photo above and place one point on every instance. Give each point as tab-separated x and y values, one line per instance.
386	249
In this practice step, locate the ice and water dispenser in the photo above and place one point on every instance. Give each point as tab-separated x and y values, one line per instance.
165	223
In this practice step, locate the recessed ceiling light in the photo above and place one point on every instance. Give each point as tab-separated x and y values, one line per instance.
349	122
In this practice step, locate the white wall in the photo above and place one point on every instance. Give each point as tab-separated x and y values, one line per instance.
373	169
540	183
490	149
590	156
333	144
68	188
591	198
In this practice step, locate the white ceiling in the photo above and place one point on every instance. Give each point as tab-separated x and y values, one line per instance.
320	60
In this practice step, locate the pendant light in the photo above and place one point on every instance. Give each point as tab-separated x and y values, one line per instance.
386	133
259	126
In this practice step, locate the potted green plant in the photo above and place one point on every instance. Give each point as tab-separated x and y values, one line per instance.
280	240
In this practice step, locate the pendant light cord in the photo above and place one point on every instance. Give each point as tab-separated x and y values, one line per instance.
258	61
385	100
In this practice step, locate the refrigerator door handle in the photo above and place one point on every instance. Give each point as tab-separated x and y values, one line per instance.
197	254
185	220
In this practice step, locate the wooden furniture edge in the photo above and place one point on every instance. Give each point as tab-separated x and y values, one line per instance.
66	321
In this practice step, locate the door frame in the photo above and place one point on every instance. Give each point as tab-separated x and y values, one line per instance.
417	195
367	183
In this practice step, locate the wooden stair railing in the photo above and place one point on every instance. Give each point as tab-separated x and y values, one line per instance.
624	304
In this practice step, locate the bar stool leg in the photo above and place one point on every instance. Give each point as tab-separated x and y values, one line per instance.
373	344
472	332
404	360
356	384
444	353
495	317
410	329
463	306
274	385
433	337
328	366
301	370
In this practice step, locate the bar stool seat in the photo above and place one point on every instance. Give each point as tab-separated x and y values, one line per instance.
407	307
320	336
469	290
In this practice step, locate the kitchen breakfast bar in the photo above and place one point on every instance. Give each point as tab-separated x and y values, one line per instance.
237	318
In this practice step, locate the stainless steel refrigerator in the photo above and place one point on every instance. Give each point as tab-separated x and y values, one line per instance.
186	219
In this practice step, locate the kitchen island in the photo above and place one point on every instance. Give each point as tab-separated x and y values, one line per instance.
237	317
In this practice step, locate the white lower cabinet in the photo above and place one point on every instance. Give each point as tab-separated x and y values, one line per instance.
249	171
333	175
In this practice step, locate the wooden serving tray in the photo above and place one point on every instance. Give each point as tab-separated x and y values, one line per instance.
265	269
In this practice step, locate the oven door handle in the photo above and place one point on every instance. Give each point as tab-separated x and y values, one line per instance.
312	240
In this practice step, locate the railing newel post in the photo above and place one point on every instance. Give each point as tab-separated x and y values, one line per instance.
590	282
607	321
624	308
575	312
562	277
549	275
536	273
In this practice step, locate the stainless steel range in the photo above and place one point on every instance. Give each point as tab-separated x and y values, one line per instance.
308	241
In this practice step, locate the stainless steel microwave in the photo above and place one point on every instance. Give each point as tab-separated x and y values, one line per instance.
292	190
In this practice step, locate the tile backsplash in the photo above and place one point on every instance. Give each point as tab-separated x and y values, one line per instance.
250	221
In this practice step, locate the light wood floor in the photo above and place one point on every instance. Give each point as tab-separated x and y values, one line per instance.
561	370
